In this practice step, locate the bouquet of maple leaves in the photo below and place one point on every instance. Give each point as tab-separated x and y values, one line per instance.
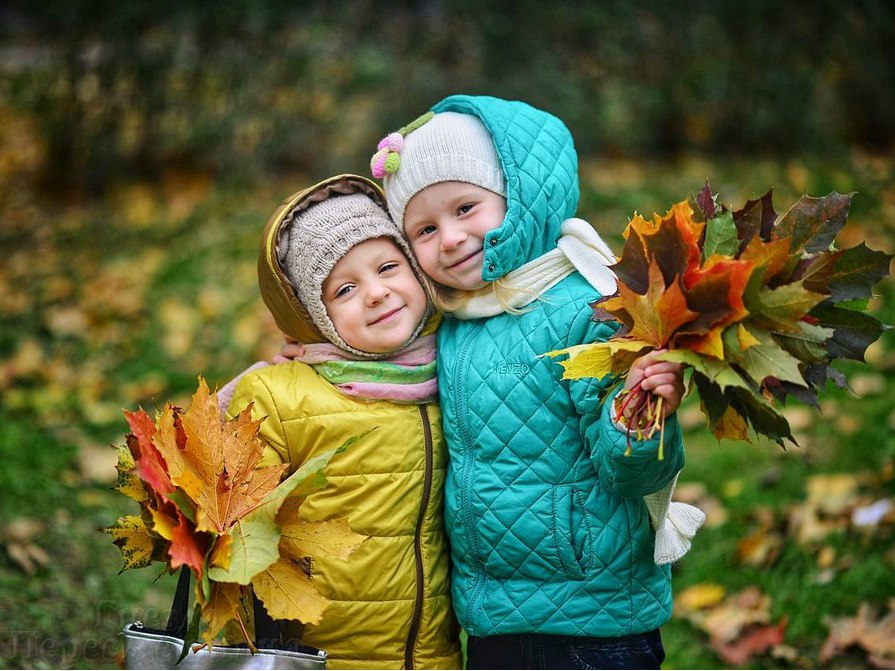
757	307
205	503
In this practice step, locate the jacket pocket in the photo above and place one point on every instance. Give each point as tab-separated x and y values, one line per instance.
571	531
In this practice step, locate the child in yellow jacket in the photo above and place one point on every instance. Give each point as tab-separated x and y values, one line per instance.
337	275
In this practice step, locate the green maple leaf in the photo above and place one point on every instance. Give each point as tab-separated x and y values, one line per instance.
813	223
762	416
817	374
781	309
855	271
768	359
853	332
719	373
809	344
720	236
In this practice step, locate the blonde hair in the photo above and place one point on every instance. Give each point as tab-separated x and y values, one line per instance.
447	299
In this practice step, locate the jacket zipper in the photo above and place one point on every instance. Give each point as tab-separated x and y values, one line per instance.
460	410
418	541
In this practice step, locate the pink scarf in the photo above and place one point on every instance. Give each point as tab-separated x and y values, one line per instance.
407	376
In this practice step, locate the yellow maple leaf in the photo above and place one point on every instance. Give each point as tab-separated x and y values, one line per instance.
128	482
731	425
288	594
163	524
745	338
220	552
329	538
132	537
221	607
592	362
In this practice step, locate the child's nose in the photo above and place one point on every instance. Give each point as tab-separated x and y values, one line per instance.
452	236
377	292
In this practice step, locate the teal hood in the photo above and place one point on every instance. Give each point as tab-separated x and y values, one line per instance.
540	164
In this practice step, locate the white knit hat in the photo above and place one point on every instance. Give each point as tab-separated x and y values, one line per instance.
313	241
449	147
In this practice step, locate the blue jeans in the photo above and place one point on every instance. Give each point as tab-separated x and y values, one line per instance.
544	651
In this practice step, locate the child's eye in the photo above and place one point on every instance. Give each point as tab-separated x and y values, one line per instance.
343	290
425	230
385	267
463	209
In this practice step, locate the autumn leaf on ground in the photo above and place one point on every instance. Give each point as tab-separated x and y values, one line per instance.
18	537
875	634
739	626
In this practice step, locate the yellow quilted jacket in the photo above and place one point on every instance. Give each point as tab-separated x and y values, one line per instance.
390	600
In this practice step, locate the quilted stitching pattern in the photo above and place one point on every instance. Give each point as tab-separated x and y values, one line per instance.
548	530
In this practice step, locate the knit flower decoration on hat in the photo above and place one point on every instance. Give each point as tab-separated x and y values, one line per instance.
387	159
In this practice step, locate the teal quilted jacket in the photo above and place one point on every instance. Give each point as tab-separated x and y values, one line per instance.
548	530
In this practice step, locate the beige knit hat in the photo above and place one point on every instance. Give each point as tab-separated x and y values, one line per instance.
449	147
314	239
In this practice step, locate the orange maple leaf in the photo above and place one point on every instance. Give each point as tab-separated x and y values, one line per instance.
217	463
660	312
185	546
149	463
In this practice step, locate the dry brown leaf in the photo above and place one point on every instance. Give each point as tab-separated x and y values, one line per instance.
875	636
27	556
755	640
760	548
726	622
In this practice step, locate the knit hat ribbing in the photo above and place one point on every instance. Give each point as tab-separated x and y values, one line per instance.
450	147
313	241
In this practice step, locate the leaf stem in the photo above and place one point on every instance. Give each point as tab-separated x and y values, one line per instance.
245	633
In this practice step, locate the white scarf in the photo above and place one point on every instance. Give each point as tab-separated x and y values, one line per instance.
581	248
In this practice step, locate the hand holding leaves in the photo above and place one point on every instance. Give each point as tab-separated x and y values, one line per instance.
756	306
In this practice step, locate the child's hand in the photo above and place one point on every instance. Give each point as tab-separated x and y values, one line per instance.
661	378
292	349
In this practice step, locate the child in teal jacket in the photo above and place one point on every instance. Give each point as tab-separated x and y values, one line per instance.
556	559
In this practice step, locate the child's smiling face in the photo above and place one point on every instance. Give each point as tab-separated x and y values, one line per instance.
373	297
446	224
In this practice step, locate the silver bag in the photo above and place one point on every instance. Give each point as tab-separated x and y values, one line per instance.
153	649
146	648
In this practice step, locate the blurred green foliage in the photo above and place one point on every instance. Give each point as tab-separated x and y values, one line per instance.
242	87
